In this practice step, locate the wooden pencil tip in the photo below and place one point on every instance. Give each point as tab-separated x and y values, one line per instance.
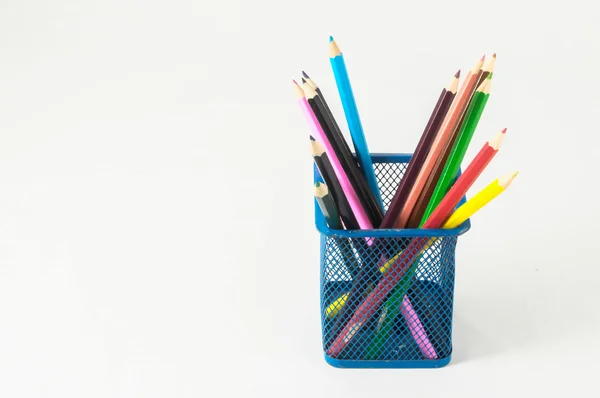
309	90
330	39
321	190
312	138
299	92
506	180
482	86
494	55
503	131
334	50
482	58
305	75
453	85
303	81
496	142
316	149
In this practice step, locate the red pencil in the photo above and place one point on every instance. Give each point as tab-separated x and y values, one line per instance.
468	177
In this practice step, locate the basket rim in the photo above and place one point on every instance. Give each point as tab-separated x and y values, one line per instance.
382	233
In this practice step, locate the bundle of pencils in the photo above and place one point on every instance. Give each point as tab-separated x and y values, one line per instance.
427	196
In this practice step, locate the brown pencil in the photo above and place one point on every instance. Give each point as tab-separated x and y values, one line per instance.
421	151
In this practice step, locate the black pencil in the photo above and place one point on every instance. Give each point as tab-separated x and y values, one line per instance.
344	155
326	171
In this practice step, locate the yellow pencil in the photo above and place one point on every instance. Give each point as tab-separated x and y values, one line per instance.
464	212
337	305
484	196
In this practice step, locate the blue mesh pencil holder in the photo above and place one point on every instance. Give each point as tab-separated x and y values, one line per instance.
412	327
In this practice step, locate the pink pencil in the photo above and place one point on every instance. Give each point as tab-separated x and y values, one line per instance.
416	329
414	323
359	212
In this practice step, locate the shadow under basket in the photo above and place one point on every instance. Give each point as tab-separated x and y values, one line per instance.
412	326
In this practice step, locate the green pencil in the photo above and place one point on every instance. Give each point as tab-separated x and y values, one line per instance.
459	149
390	311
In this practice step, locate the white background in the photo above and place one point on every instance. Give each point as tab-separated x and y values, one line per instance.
156	211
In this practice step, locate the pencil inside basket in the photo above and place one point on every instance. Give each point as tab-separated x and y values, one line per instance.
412	326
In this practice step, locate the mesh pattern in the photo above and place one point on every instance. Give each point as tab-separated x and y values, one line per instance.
414	320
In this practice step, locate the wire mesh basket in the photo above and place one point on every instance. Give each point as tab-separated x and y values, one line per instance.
410	324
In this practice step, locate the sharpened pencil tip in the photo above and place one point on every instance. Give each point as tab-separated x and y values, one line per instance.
494	55
312	138
503	131
330	39
516	173
482	58
305	75
303	81
317	184
457	74
299	92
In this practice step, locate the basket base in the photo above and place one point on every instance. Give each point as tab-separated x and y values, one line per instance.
421	364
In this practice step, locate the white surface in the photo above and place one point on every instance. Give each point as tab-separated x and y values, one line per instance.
156	232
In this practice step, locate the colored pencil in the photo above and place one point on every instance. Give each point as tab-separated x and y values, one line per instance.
352	116
459	149
447	129
390	279
357	209
420	153
337	304
342	152
466	179
337	193
478	201
327	206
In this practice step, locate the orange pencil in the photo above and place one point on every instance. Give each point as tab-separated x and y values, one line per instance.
458	107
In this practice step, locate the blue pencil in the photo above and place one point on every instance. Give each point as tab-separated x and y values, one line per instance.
352	117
